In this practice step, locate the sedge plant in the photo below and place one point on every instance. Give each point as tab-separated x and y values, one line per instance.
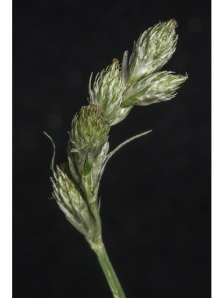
113	94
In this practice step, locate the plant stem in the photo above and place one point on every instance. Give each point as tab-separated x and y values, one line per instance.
109	272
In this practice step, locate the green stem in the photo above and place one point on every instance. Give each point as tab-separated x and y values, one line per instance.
109	272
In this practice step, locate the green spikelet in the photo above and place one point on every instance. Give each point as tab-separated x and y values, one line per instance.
89	133
70	200
153	49
107	90
153	88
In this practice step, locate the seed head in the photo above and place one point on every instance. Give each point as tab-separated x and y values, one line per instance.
89	128
70	200
88	135
152	50
153	88
107	90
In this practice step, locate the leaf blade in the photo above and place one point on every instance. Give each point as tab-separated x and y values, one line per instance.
54	151
118	147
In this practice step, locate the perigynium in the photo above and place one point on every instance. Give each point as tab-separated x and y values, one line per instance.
113	94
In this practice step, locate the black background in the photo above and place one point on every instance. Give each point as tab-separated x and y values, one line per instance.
155	191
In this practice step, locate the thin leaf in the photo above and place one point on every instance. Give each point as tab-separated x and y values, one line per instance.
52	161
118	147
